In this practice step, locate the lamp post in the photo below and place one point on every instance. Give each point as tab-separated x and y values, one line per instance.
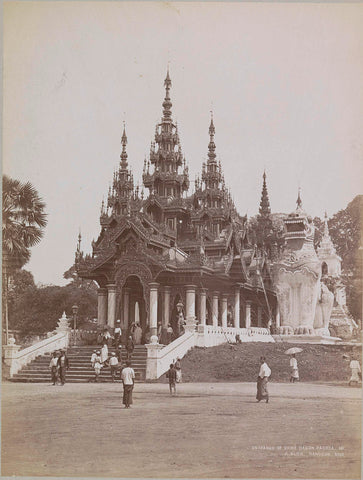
74	311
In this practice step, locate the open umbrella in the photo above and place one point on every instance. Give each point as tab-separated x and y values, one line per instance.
293	350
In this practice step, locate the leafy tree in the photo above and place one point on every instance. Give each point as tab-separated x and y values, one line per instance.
24	221
38	310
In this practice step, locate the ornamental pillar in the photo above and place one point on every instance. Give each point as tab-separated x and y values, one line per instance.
166	310
215	309
236	319
102	306
190	304
248	314
203	306
277	318
126	305
153	308
224	310
259	316
111	310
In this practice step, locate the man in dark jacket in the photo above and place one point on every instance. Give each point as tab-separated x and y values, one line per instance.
63	365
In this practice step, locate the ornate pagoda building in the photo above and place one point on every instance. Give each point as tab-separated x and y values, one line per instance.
174	251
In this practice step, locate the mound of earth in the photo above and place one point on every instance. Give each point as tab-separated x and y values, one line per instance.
240	363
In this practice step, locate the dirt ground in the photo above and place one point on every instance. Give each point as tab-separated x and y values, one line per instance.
208	430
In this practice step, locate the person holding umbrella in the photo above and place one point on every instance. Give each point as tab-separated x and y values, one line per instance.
294	376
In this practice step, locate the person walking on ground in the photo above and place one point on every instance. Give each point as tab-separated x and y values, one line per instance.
128	379
262	379
104	354
171	375
178	371
356	372
97	365
117	332
113	365
129	347
294	370
63	365
54	368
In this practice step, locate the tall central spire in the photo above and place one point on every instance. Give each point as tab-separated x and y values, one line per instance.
166	156
167	102
211	146
123	155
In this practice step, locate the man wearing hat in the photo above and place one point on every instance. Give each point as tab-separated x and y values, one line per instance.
117	333
113	365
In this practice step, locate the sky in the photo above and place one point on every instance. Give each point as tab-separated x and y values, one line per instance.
283	81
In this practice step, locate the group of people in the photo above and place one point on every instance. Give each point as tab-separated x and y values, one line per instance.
135	334
58	366
101	358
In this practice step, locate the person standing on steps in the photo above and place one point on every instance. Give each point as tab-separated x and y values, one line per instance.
54	368
93	358
113	365
119	353
129	348
262	379
117	333
63	365
294	370
104	354
97	365
128	380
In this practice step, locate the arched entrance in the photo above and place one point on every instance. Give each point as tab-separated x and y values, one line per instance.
135	310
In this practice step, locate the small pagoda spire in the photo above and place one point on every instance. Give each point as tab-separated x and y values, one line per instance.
299	201
211	146
123	155
79	241
265	209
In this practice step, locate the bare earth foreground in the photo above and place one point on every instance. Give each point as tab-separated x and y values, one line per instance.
207	430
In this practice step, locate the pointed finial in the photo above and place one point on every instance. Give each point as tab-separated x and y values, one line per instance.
299	201
211	145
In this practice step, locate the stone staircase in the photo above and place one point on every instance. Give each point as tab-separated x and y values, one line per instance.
80	370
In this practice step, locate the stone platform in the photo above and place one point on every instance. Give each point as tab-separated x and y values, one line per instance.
324	340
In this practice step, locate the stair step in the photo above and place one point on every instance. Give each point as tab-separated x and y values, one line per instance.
80	370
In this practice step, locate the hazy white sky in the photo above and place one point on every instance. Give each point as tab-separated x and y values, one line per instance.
284	81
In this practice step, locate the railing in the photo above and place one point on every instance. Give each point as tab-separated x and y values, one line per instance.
159	357
209	335
16	359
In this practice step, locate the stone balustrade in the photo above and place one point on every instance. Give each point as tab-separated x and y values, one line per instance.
16	359
160	357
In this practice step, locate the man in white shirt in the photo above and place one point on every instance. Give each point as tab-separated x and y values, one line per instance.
54	368
294	377
128	378
113	365
262	379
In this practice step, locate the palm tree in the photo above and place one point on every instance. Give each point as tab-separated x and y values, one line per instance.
23	223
